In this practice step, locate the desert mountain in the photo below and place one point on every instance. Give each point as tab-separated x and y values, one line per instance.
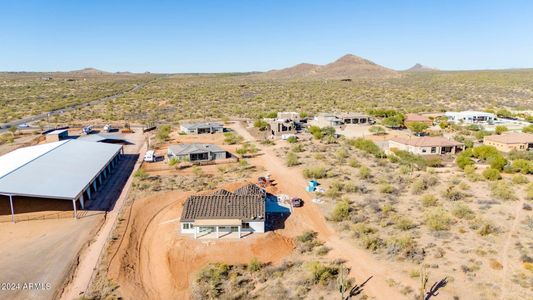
89	71
347	67
421	68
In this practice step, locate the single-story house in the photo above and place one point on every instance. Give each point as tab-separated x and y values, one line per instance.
289	115
282	126
353	118
69	170
199	128
56	135
416	118
427	145
225	212
196	152
470	117
507	142
337	120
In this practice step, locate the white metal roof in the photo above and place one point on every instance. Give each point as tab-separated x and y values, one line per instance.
57	131
18	158
60	170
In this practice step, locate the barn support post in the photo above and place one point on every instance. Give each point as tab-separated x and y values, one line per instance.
195	231
217	233
75	210
88	196
94	186
12	209
239	231
100	179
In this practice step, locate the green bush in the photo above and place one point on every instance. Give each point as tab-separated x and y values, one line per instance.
292	139
262	125
292	159
364	172
367	146
463	159
462	211
523	166
491	174
519	179
529	191
341	211
163	132
501	129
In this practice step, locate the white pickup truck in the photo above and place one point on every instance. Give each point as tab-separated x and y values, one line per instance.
149	156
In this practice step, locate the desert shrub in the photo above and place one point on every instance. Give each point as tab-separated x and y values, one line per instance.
487	228
163	132
395	121
367	146
491	174
523	166
462	211
502	190
341	211
354	163
371	242
364	172
315	172
386	188
438	219
501	129
417	127
320	273
307	236
377	130
400	243
422	184
351	187
410	159
298	148
464	159
254	265
141	174
453	194
529	191
404	223
292	159
292	139
528	129
260	124
429	200
519	179
231	138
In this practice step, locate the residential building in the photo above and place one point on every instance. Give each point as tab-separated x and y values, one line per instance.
416	118
471	117
289	115
224	212
196	152
428	145
200	128
282	126
337	120
508	142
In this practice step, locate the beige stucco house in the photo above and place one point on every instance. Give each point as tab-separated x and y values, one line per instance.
508	142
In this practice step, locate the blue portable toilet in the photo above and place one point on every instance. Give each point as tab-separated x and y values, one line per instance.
313	183
309	188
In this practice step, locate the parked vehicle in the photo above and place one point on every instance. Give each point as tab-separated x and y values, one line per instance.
24	125
149	156
87	129
108	128
297	202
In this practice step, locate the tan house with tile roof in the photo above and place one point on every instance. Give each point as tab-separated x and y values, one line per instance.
508	142
427	145
224	212
414	118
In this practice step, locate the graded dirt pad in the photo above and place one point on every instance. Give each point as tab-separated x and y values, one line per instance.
42	252
157	262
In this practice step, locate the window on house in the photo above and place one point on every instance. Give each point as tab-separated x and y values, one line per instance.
423	150
187	226
433	149
245	225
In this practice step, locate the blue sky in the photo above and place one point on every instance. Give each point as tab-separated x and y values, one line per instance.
226	36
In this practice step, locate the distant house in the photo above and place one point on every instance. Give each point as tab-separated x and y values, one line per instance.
336	120
508	142
282	126
196	152
289	115
56	135
416	118
224	212
428	145
200	128
471	117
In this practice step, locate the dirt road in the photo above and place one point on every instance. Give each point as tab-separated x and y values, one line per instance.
89	257
362	263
